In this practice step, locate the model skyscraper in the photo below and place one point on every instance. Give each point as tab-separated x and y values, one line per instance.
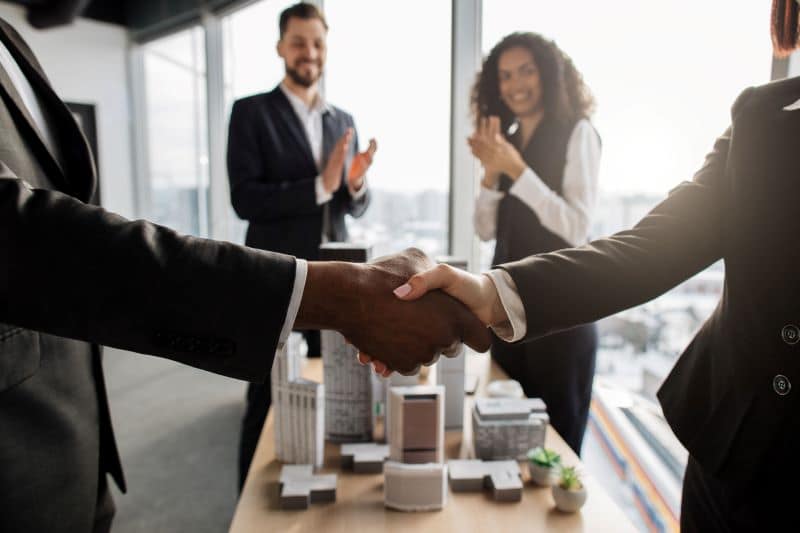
299	407
348	394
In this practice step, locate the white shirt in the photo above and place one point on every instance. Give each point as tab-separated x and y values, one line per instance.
311	118
568	216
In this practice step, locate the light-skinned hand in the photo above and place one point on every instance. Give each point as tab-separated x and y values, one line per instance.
361	163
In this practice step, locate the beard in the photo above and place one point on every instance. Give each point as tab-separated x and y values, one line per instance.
302	79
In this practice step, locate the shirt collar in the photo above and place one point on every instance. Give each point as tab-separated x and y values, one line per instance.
300	107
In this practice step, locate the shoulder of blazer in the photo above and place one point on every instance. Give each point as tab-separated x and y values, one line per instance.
768	97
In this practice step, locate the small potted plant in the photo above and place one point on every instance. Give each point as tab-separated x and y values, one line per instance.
569	494
544	466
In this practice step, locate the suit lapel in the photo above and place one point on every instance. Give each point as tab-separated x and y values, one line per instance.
74	147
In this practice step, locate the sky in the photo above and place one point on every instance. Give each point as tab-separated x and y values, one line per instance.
664	75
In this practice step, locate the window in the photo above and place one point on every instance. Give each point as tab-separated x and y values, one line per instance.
176	131
389	66
663	96
251	65
664	77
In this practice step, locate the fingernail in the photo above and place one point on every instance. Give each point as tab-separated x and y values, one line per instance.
402	290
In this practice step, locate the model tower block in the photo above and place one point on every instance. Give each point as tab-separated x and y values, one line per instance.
506	428
299	407
348	414
415	479
450	372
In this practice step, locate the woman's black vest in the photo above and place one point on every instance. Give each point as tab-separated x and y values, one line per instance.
519	231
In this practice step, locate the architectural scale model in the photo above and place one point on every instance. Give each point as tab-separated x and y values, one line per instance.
365	457
299	407
506	428
379	401
299	487
503	478
415	477
348	414
450	373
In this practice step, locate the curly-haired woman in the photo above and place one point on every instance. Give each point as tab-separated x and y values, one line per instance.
540	155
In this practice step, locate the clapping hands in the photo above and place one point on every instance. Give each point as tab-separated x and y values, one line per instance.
496	154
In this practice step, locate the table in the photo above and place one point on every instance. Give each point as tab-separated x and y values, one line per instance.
359	497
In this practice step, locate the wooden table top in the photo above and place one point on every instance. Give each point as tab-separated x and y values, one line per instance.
359	497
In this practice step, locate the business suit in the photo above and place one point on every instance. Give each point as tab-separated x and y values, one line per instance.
73	276
272	175
729	398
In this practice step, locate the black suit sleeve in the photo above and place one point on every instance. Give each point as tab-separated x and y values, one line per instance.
255	196
678	238
75	270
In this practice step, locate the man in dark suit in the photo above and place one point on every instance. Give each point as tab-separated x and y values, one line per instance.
73	276
291	172
732	397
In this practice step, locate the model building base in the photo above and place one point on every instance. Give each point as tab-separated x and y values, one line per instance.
299	487
414	487
503	478
365	457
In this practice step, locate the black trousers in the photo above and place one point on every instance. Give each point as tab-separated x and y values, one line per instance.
709	505
259	398
559	369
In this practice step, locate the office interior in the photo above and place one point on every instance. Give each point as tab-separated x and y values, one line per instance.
153	83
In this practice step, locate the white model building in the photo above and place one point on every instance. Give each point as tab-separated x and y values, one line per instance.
380	387
415	478
450	373
348	414
365	457
503	478
506	428
299	487
299	409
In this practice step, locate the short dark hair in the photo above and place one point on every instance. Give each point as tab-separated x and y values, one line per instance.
301	10
784	26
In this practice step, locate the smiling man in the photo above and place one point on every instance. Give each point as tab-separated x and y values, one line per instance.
290	158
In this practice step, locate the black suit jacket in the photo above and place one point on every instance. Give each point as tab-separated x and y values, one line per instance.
728	397
272	171
73	276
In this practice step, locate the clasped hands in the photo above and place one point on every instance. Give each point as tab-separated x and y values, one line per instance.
391	311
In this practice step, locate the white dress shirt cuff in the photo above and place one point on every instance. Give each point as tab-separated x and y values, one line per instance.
516	327
300	273
323	196
356	194
490	195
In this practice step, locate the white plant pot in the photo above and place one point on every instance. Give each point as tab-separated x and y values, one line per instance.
569	501
543	475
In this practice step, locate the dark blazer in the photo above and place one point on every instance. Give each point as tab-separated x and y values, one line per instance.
272	171
729	398
73	276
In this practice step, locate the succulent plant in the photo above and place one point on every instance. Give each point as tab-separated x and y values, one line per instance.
544	457
570	479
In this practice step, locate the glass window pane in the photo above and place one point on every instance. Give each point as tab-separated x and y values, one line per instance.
176	118
664	76
252	65
390	68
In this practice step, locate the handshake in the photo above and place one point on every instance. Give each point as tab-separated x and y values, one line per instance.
401	311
